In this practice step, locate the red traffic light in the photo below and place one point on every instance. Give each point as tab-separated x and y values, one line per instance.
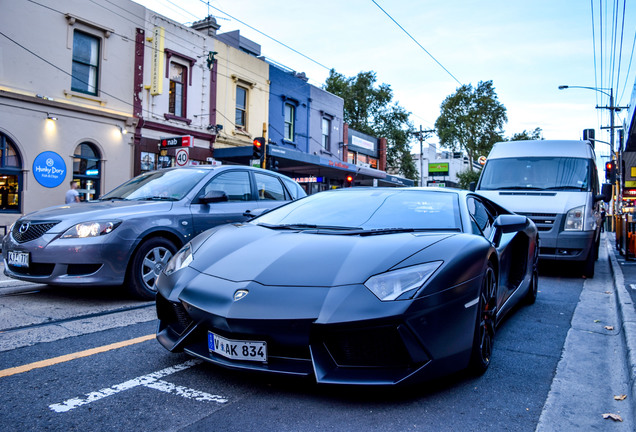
258	143
349	179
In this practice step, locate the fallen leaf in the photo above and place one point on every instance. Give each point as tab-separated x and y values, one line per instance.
609	327
614	417
621	397
597	321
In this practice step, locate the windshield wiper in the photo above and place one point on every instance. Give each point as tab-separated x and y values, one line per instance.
308	226
381	231
113	198
156	198
565	188
516	188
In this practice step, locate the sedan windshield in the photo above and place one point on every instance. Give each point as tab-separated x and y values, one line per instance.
369	209
165	185
536	173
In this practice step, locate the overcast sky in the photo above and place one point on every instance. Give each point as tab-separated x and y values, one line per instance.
527	48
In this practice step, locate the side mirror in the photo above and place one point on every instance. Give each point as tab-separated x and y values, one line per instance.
472	186
508	223
213	196
606	193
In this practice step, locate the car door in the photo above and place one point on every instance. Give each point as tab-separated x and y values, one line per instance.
237	186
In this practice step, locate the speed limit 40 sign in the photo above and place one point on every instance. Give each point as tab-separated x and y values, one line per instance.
182	156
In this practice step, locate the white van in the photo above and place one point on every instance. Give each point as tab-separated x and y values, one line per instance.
554	183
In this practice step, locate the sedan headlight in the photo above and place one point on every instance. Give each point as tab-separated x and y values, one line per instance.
574	219
392	284
181	259
91	229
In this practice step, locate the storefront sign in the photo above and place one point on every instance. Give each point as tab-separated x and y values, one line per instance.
179	141
156	84
438	167
49	169
362	143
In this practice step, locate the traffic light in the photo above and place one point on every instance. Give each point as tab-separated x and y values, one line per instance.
258	146
610	171
349	181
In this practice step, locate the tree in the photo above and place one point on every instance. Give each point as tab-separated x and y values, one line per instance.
371	110
466	177
471	120
536	134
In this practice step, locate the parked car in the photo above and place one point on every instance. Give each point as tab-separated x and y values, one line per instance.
376	286
129	234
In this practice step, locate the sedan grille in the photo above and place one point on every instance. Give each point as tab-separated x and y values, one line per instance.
28	231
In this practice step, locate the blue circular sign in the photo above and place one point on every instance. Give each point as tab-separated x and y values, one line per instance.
49	169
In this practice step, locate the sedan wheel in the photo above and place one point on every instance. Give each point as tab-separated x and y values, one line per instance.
485	323
149	260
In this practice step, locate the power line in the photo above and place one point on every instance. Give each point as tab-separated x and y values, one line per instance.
414	40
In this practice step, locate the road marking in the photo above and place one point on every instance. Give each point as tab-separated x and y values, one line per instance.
62	359
150	381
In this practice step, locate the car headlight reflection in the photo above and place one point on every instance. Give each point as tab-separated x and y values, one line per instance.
391	285
91	229
181	259
574	219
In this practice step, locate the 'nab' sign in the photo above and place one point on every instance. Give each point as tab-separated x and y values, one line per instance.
181	141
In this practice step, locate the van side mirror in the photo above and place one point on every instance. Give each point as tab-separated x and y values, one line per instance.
213	196
606	193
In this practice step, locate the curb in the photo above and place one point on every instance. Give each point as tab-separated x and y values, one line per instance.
627	314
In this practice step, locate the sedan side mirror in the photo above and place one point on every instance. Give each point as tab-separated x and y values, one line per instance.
606	193
213	196
508	223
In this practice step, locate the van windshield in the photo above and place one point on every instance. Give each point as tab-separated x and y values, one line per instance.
536	173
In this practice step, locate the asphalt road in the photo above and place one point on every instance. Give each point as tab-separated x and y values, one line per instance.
61	369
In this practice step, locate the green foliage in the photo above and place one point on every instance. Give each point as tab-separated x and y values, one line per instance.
371	110
471	120
536	134
466	177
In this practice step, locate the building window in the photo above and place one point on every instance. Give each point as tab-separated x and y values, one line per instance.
177	95
10	176
326	133
290	115
85	63
86	171
241	108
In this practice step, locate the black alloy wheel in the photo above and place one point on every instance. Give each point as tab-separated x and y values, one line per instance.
485	323
148	261
533	289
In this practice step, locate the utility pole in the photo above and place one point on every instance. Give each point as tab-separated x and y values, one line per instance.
422	135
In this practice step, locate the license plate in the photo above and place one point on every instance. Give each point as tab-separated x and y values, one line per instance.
237	349
18	259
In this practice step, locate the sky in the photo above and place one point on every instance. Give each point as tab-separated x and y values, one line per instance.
527	48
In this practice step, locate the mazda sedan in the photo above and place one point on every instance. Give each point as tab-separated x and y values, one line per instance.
366	286
129	234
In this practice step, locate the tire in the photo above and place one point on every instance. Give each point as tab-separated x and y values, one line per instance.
148	261
588	265
484	334
533	289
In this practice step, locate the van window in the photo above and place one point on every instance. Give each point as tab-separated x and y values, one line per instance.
536	173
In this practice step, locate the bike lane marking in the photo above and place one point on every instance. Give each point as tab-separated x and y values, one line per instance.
152	380
68	357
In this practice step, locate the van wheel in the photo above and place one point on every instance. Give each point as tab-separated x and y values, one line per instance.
588	265
148	261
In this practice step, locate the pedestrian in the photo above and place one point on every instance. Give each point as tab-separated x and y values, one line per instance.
72	196
603	219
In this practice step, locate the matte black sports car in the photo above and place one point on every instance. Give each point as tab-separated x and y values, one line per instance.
353	286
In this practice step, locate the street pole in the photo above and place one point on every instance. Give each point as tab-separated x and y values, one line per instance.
420	135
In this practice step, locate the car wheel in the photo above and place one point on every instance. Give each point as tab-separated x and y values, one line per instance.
533	289
597	247
485	323
588	264
149	259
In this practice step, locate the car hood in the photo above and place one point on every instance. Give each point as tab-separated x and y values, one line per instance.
303	258
531	202
70	214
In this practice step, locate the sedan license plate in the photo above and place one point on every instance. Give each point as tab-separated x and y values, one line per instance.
237	349
18	259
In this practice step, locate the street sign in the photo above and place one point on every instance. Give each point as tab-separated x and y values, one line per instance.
181	157
180	141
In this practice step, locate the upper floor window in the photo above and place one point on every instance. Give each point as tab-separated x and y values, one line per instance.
290	111
85	63
241	107
177	95
326	133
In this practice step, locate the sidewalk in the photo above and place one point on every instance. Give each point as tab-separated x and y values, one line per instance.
598	362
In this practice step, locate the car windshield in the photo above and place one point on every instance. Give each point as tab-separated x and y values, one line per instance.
369	209
536	173
168	185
